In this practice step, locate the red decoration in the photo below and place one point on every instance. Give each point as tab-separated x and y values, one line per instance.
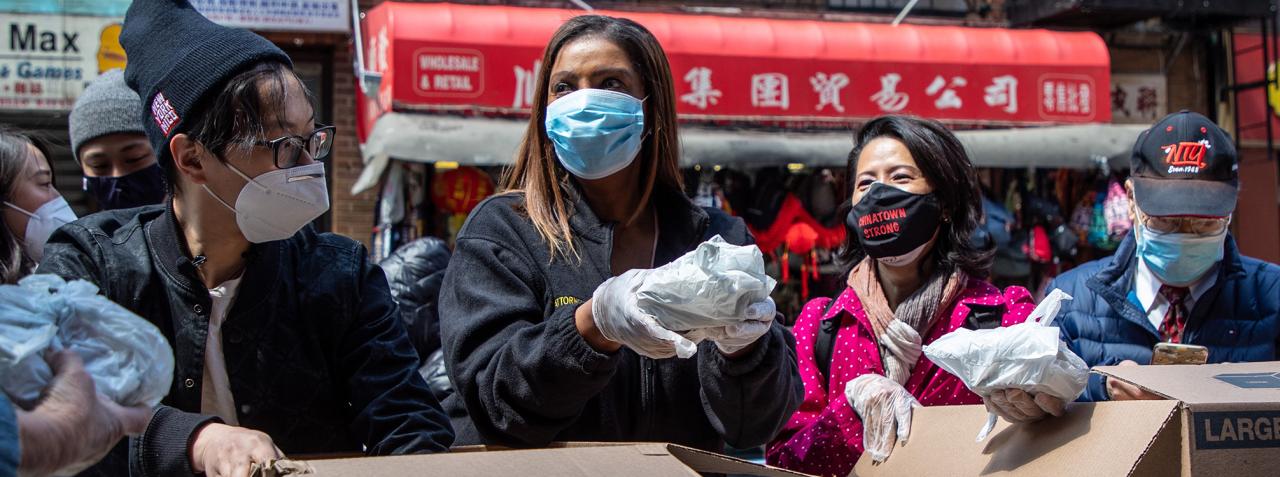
791	213
801	238
460	190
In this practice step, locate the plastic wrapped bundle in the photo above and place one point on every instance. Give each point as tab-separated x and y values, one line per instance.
1029	356
128	358
709	293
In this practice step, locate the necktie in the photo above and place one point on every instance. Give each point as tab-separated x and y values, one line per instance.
1175	318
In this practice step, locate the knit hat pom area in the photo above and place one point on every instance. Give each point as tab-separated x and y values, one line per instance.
179	60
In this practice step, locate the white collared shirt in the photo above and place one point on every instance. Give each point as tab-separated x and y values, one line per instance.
1147	288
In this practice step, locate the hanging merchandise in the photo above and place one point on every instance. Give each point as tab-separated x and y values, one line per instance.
767	201
821	196
708	194
1110	217
1038	248
1082	217
1065	242
390	212
459	190
391	202
736	189
791	212
1116	210
997	223
802	240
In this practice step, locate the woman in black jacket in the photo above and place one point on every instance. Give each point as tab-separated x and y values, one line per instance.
536	345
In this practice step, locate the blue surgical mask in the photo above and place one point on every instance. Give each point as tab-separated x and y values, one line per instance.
1179	259
596	132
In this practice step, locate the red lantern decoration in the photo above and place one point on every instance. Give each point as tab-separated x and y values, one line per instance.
459	190
801	238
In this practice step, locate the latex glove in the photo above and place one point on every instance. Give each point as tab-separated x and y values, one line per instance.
1017	406
714	286
738	336
884	407
614	309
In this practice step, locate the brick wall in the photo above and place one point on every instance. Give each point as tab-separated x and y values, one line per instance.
352	215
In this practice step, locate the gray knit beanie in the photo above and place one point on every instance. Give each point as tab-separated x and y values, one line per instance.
107	106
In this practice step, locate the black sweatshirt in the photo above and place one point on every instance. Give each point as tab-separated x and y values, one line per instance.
525	377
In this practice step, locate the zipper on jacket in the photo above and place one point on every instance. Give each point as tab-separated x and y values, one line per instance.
646	395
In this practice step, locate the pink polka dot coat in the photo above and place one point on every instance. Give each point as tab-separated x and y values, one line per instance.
824	436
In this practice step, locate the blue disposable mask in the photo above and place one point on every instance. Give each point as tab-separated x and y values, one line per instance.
1179	259
596	132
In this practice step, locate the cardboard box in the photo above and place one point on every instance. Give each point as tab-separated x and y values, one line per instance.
1230	413
1092	440
1200	431
562	460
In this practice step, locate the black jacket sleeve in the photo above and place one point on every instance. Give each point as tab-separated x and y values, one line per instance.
749	398
394	411
524	378
164	449
73	252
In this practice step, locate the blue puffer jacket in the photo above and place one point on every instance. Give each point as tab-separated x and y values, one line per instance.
1238	319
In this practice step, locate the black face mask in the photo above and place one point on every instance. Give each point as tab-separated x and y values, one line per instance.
144	187
891	222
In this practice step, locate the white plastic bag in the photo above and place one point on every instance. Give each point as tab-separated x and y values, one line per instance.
1029	356
715	286
128	358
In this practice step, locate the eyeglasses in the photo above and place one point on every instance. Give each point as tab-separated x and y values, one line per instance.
286	151
1192	225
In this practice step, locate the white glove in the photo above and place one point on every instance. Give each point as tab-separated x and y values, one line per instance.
716	285
1017	406
884	407
613	306
735	337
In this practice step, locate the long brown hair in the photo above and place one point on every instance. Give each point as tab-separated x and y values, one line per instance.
537	172
15	150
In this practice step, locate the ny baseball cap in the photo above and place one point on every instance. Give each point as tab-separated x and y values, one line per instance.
1185	165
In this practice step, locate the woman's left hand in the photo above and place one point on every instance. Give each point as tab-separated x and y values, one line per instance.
1016	405
735	338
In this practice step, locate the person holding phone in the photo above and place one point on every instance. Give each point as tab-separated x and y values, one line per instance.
1179	277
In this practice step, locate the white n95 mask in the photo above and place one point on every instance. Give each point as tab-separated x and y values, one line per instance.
277	204
53	214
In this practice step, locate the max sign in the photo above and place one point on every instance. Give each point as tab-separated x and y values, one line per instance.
46	60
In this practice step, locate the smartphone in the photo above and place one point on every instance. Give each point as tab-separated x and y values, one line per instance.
1174	353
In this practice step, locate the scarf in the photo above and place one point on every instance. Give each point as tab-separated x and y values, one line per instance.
899	332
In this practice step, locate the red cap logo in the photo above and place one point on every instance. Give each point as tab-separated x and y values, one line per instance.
1184	156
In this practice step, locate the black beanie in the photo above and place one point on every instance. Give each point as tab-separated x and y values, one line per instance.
179	60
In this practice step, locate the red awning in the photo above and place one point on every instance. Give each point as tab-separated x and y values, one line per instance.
439	56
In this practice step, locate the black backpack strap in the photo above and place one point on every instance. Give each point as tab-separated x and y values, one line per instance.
825	342
984	317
